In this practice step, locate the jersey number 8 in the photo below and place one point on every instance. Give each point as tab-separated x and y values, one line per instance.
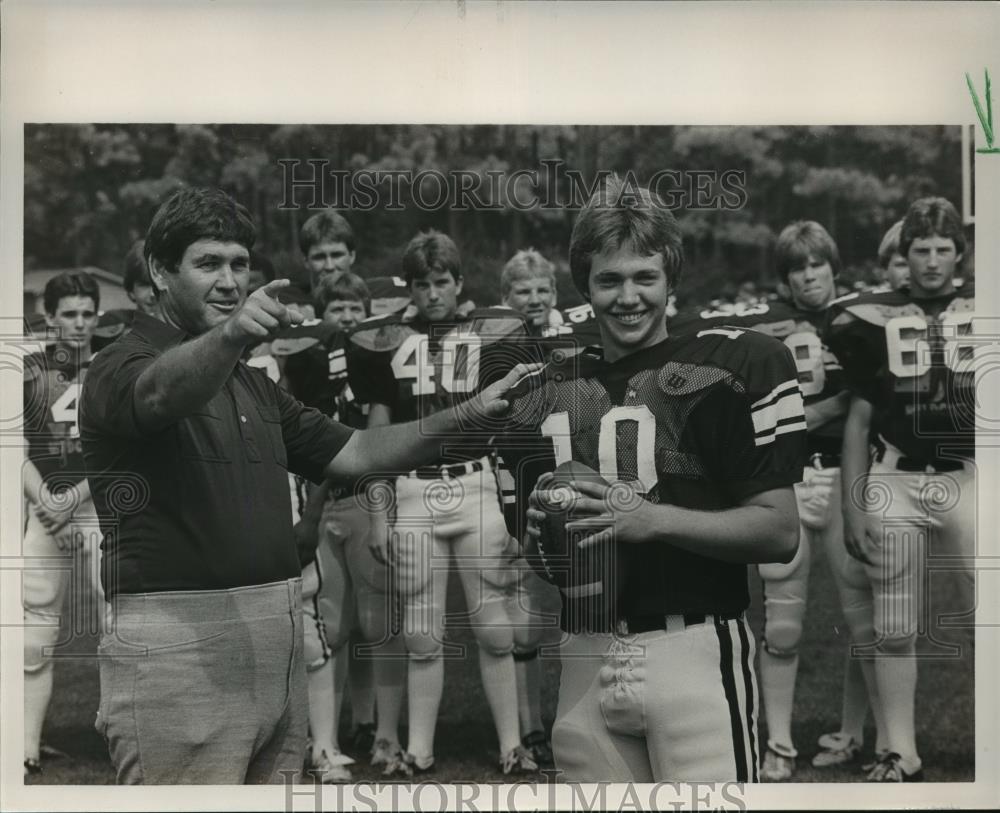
413	361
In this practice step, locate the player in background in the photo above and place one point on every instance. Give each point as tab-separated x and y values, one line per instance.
409	368
911	374
894	270
528	285
60	535
701	437
138	286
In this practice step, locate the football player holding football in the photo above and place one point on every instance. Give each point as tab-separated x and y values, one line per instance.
408	369
61	534
908	357
699	440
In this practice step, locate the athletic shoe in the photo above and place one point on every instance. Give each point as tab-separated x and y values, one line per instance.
331	769
838	748
516	760
538	747
888	769
880	753
383	752
408	765
777	767
363	738
31	767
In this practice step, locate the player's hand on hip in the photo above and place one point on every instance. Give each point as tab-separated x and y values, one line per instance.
54	512
856	539
614	513
261	316
491	402
306	534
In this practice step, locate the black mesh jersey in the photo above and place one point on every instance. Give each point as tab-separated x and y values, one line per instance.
702	420
820	374
418	368
53	380
914	360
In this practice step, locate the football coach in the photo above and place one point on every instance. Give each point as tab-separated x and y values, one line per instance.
202	676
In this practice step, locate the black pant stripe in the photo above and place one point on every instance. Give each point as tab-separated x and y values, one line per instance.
748	688
321	628
729	685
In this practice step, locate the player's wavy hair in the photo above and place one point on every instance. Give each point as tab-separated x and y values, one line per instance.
325	227
526	264
801	240
931	216
347	287
618	215
431	251
194	214
70	283
136	272
890	244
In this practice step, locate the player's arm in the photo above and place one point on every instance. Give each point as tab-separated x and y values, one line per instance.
854	462
306	530
405	446
827	410
31	479
190	374
763	528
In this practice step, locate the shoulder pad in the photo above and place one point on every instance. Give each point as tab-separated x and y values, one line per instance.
874	307
965	302
35	365
380	333
497	323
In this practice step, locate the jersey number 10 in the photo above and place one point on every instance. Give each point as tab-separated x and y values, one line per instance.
556	427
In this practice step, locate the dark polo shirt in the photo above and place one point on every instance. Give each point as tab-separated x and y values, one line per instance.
217	510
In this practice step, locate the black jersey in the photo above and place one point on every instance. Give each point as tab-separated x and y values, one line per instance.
913	359
702	420
417	368
820	374
52	384
580	324
110	325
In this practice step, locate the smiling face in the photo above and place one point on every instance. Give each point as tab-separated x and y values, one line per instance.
629	294
436	295
74	321
932	262
812	285
533	297
329	257
210	283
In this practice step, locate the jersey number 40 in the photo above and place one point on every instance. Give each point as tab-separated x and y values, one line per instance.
64	409
459	352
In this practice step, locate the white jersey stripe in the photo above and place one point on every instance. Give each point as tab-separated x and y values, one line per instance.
775	394
764	440
788	407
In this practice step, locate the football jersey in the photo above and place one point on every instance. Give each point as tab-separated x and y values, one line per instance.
52	385
389	294
701	420
578	322
913	359
418	368
110	325
820	374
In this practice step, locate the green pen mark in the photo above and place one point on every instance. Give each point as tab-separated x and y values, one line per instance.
985	117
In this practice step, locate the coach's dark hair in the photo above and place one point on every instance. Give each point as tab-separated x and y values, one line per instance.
194	214
325	227
801	240
348	287
136	272
930	216
890	244
617	216
431	251
70	283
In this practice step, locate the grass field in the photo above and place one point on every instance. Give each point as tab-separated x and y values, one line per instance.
466	745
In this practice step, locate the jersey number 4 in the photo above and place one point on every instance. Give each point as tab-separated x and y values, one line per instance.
412	361
64	409
556	427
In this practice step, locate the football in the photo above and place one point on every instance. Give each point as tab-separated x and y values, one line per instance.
589	578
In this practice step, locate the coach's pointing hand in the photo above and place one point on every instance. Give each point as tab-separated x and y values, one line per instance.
494	401
261	315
